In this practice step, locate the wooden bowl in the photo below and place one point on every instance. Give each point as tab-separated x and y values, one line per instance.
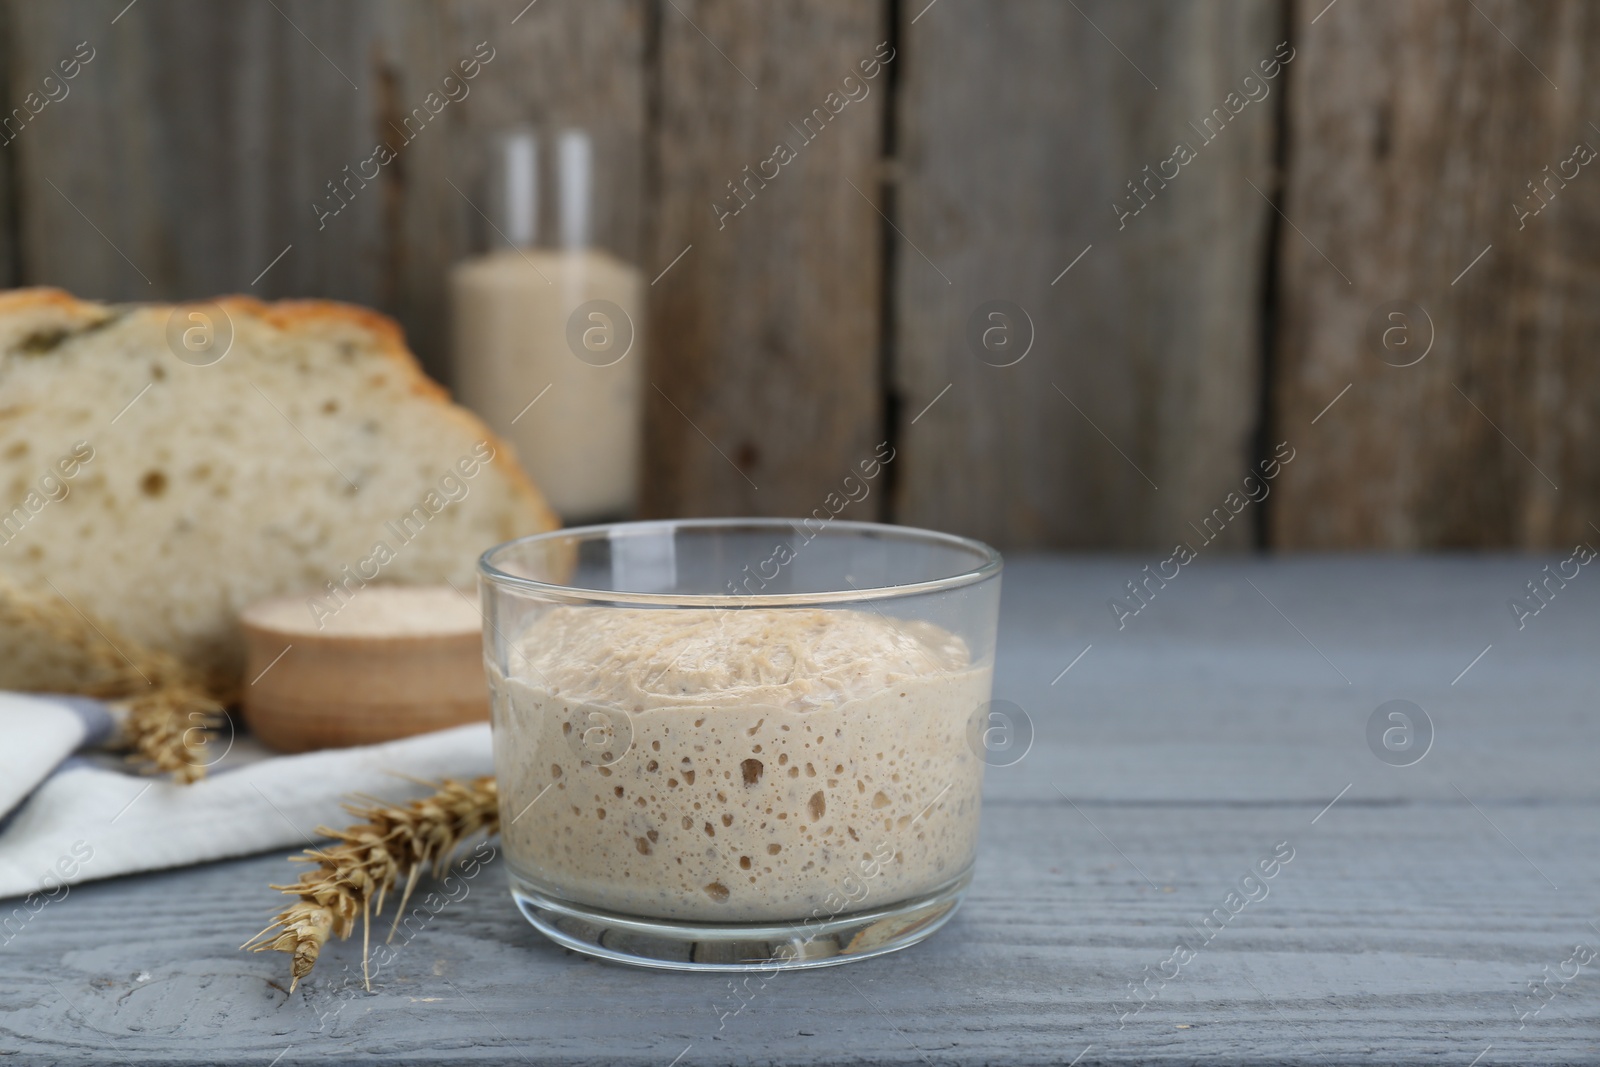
385	662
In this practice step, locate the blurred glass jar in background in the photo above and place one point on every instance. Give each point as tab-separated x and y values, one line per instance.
546	327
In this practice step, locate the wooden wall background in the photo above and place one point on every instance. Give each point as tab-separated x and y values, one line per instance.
833	313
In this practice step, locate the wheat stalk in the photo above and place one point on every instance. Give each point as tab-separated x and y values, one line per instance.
47	645
167	724
354	875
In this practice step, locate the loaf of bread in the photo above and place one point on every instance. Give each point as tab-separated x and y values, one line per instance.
162	467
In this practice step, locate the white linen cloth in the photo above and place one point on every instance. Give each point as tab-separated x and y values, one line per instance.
68	818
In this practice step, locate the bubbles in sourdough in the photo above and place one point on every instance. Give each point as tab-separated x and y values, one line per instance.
768	758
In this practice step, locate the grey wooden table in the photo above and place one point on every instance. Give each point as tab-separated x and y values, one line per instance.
1228	718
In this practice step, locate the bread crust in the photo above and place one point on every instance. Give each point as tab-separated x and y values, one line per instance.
292	316
44	296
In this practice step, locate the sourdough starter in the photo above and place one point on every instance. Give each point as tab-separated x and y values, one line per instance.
778	758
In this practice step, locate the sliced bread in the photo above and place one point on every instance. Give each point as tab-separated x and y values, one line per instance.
162	468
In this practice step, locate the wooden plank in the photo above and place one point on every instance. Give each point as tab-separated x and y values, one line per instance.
765	339
8	215
1405	929
156	179
1019	126
198	175
1415	129
1387	939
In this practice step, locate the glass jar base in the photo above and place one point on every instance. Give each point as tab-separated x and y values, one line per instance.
743	947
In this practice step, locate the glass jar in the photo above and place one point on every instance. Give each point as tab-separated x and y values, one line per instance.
739	743
547	327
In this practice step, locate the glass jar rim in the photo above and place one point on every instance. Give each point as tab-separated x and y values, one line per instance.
988	565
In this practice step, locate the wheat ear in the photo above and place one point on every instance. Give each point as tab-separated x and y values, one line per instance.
167	724
48	645
354	874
